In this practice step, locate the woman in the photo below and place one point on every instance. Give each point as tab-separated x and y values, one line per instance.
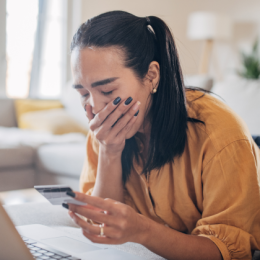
171	168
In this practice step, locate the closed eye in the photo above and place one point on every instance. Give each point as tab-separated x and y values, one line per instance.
107	93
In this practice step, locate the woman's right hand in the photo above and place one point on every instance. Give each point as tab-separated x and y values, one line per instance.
112	123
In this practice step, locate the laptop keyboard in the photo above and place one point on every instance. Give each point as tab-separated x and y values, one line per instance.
41	251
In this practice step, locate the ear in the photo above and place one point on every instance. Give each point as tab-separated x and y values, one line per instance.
152	77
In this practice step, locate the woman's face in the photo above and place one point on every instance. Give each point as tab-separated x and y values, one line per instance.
100	76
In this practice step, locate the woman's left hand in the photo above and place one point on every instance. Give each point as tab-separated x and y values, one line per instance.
120	222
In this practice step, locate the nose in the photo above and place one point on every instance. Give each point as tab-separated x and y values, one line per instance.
95	104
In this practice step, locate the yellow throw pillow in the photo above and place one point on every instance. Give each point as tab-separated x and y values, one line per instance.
28	105
55	121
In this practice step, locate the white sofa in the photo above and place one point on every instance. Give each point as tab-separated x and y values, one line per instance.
29	158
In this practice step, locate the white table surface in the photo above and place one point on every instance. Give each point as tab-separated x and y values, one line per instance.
57	217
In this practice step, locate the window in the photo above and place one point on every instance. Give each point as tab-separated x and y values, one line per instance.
21	25
35	48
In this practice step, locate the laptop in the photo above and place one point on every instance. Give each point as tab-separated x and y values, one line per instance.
31	242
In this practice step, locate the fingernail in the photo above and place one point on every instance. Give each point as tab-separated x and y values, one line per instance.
85	108
70	193
136	113
64	205
128	101
117	100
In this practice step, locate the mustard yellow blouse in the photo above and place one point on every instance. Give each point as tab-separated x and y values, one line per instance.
212	190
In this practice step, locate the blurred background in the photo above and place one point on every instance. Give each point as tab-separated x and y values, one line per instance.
42	125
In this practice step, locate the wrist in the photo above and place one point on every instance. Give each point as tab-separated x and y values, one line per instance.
146	225
111	156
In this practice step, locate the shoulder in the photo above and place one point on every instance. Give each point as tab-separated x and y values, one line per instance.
222	125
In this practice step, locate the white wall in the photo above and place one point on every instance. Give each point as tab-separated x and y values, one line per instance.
246	14
74	20
2	47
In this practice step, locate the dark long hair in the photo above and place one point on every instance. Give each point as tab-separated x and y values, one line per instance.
143	40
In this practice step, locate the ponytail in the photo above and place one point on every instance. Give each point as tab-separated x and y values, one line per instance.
169	115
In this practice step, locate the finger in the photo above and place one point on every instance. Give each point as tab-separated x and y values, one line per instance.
88	206
99	239
123	122
116	121
121	135
120	112
93	215
104	113
105	204
92	229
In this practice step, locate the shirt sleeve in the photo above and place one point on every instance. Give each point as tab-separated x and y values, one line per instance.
89	171
231	201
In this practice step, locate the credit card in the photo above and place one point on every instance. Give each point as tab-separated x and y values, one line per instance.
56	194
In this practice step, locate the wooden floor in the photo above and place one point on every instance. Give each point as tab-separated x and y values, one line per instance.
21	196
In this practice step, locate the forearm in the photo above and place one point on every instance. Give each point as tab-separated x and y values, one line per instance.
172	244
109	177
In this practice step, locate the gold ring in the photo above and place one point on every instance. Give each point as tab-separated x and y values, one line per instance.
101	229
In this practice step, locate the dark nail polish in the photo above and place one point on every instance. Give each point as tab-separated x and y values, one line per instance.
117	100
85	108
71	194
136	113
64	205
128	101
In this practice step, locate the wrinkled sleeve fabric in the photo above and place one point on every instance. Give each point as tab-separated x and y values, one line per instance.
231	201
89	171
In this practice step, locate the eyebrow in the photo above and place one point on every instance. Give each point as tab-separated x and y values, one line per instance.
97	83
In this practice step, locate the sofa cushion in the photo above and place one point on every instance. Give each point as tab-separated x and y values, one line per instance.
18	146
17	156
63	159
243	96
15	137
28	105
7	113
55	121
